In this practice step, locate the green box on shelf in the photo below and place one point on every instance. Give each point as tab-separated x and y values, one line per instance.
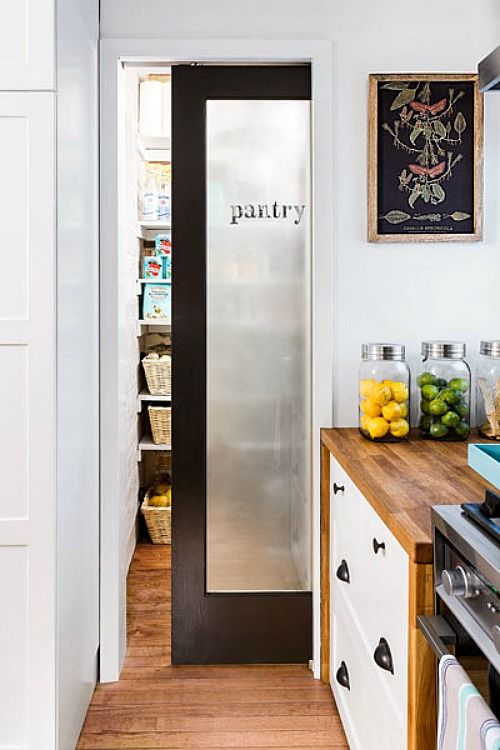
485	459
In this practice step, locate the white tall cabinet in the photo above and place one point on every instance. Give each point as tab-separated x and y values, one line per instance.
48	371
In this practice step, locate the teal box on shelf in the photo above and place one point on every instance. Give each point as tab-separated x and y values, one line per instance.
157	302
485	459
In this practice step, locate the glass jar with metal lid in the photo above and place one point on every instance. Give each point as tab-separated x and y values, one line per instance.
488	390
384	393
444	391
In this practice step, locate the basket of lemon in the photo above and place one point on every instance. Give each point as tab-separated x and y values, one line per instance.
157	511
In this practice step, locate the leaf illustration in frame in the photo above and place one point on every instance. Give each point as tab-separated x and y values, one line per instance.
415	194
459	216
438	194
395	86
440	129
415	132
396	217
460	123
404	97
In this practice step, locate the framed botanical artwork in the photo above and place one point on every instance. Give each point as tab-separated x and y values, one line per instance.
425	158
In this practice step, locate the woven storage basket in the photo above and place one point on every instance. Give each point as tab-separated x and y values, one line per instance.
160	418
158	521
158	372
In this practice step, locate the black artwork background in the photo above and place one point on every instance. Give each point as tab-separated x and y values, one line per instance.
391	161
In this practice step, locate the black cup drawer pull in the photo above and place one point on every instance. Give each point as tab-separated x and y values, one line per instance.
377	545
343	572
383	656
338	488
342	676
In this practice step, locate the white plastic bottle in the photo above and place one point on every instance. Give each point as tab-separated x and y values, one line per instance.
164	201
150	197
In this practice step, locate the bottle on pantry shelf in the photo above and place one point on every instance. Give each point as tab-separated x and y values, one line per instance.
488	389
384	393
164	197
444	391
150	195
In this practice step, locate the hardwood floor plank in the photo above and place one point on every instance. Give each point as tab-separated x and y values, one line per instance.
156	706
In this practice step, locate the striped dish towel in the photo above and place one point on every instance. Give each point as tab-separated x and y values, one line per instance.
465	720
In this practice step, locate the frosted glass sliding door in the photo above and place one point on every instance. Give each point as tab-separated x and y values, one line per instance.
258	345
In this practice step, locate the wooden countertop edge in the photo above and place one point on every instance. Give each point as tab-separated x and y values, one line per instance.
419	549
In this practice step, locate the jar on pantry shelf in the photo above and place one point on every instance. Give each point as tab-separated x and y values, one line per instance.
488	389
444	391
384	393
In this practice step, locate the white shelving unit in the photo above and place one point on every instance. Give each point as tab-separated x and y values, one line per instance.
146	444
147	230
140	283
146	396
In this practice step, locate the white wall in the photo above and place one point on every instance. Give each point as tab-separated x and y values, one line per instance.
386	292
78	365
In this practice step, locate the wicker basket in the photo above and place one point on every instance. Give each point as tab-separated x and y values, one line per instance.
158	521
158	372
160	418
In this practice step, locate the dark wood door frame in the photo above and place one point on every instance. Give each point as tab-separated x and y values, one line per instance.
211	628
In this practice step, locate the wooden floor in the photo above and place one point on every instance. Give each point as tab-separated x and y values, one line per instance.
156	705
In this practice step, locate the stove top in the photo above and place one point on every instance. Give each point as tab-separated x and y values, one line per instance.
475	511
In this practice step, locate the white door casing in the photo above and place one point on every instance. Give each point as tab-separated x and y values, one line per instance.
171	51
27	434
27	37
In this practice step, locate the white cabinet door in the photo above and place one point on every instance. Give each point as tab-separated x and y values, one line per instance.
27	416
27	38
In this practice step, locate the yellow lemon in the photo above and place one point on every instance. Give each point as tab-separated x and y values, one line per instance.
399	392
364	422
381	394
391	411
366	386
370	408
399	428
378	427
404	410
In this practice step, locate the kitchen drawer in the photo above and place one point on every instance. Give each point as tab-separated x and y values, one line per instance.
370	719
375	596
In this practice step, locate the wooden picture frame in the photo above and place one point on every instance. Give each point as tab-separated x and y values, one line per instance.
425	158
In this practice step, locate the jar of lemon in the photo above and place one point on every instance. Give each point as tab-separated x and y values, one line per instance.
444	390
384	393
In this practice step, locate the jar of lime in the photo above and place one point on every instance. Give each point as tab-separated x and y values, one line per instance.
444	391
384	393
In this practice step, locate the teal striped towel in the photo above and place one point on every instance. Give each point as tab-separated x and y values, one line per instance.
465	720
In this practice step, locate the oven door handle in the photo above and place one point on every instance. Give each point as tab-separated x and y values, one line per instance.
438	633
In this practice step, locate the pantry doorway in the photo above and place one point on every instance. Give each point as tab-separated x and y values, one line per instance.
215	620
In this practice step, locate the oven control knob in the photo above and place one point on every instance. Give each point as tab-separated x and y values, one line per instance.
461	582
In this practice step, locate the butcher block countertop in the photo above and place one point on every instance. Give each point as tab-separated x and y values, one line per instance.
403	480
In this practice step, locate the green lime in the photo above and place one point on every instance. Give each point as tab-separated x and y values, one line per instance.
450	419
424	407
426	378
462	430
425	423
430	392
441	383
438	430
438	407
462	408
460	384
450	395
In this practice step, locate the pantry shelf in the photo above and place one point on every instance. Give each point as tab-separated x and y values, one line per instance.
147	230
146	444
141	324
146	396
154	154
140	283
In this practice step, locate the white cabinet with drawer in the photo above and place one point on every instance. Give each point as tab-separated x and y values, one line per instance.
369	619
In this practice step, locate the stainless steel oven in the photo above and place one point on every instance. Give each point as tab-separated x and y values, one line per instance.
467	596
